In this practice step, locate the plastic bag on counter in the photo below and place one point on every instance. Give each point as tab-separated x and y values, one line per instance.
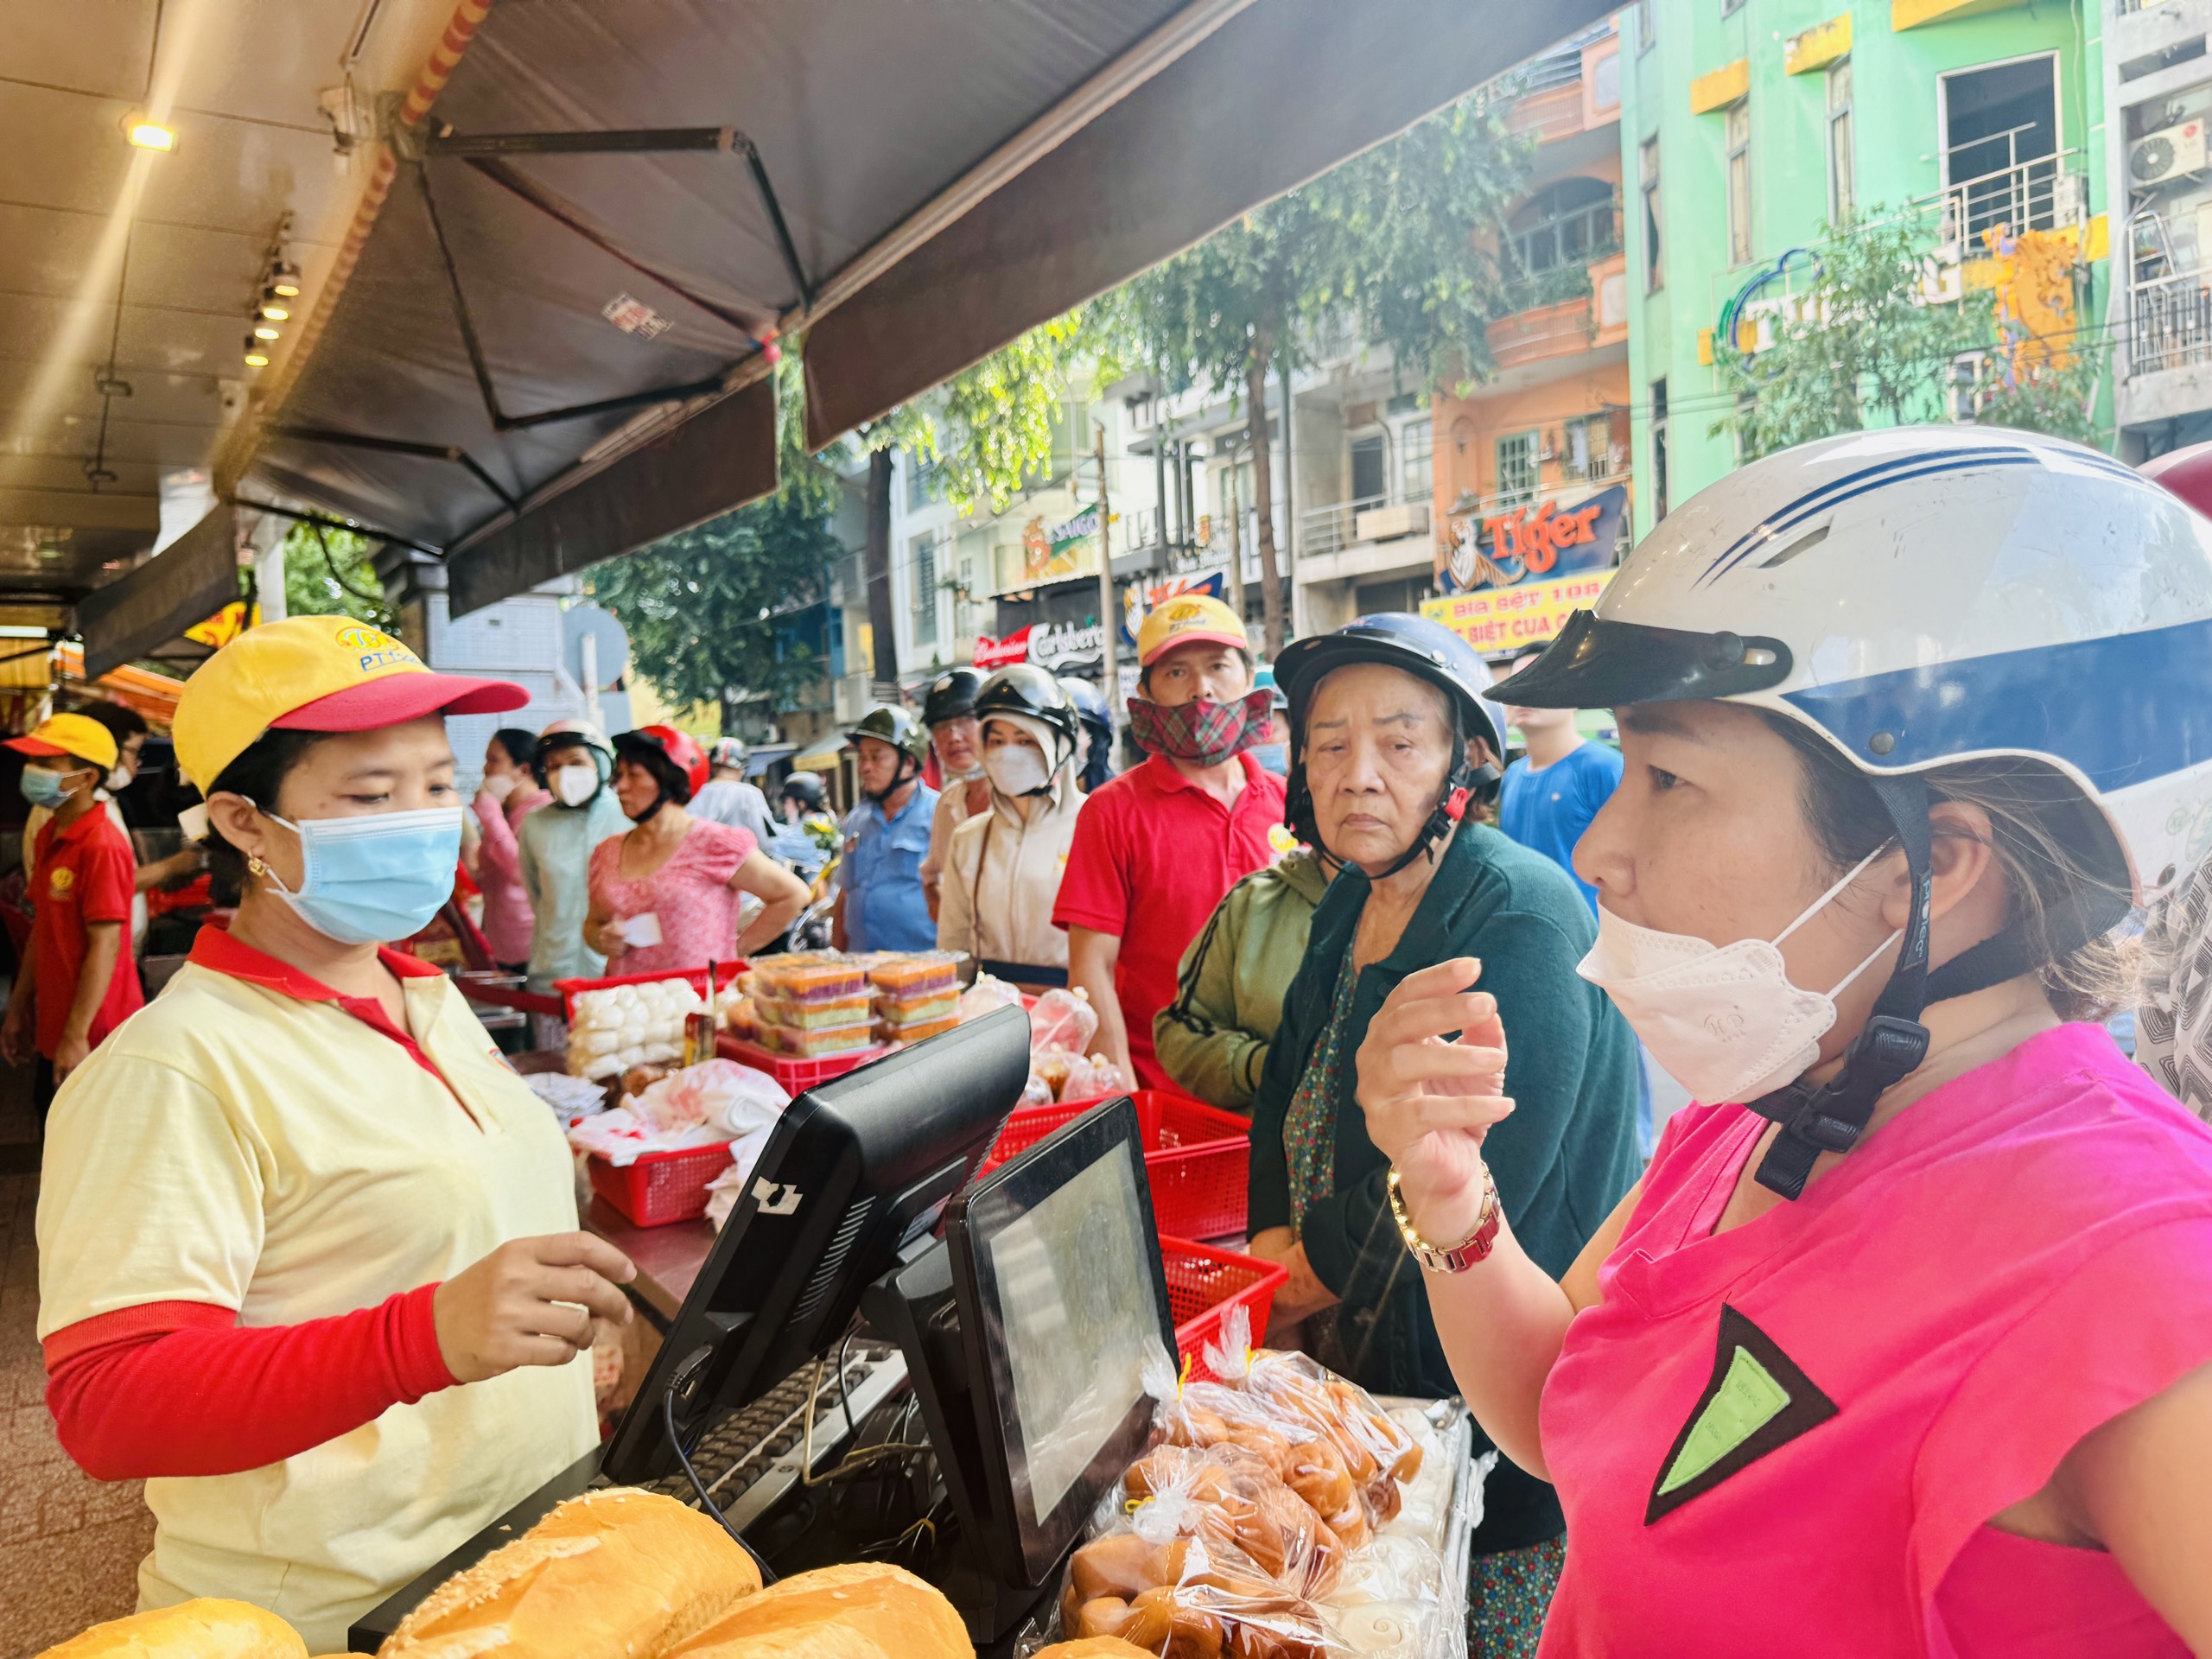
727	1188
985	994
1063	1023
1376	1449
1092	1079
618	1136
572	1099
1202	1415
1391	1602
1037	1091
735	1099
1203	1555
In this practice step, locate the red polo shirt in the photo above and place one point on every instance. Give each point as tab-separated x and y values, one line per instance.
1154	854
82	874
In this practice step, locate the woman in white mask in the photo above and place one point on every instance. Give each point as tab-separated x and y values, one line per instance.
575	764
1003	870
309	1256
1904	1342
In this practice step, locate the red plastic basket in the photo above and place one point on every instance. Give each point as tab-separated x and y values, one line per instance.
724	972
794	1072
1196	1157
1203	1284
660	1186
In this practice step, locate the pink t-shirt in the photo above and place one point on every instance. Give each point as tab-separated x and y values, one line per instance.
690	893
1779	1439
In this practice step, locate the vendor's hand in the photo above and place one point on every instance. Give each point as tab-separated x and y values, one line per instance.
1303	1294
72	1052
1430	1101
608	940
15	1046
533	1301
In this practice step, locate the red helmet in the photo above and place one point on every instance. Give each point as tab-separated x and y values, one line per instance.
679	749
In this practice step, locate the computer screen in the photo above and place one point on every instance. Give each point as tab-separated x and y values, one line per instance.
1057	1266
857	1171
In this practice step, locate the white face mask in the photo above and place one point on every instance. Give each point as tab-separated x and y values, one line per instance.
1016	769
118	779
574	785
1722	1020
499	784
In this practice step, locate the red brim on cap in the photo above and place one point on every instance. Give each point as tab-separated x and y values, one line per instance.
36	746
1198	637
398	698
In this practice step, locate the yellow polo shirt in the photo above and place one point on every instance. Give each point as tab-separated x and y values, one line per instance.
245	1143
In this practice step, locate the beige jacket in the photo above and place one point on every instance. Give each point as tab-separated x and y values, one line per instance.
1002	878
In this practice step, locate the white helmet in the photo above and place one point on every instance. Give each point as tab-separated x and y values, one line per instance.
1919	596
1925	595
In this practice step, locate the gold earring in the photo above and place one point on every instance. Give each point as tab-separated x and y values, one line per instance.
254	864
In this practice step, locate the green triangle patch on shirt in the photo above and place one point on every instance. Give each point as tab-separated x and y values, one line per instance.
1757	1399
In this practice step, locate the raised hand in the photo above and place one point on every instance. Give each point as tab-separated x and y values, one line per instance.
1431	1096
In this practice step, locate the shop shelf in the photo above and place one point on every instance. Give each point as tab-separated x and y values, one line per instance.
1203	1284
794	1074
1195	1158
660	1186
568	989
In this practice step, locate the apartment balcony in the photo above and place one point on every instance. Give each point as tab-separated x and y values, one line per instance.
1569	313
2168	348
1347	524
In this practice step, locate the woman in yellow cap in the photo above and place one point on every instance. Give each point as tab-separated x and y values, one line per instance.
308	1255
77	982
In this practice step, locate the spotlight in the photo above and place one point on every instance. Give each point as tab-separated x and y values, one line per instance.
267	331
274	311
284	282
145	134
256	354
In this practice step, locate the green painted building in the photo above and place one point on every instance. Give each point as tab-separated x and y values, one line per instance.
1748	125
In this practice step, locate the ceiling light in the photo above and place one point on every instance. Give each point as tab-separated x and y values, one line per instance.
267	331
284	282
147	134
256	354
48	550
274	311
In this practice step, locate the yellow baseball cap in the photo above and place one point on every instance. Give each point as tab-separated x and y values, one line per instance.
79	736
1185	619
315	674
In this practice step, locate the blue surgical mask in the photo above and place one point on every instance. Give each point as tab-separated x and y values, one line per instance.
1275	757
377	878
44	788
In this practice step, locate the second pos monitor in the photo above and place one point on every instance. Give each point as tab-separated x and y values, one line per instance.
1025	1333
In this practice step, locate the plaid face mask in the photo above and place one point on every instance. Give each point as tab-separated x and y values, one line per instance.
1203	734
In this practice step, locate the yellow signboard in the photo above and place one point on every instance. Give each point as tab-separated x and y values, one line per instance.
225	625
1521	618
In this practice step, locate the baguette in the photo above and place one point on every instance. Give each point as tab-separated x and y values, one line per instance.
865	1610
618	1575
204	1628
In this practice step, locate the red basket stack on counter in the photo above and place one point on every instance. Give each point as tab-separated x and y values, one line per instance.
662	1187
1203	1284
1195	1159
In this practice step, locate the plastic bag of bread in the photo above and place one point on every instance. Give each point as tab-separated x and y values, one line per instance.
1203	1554
1063	1023
1389	1603
1305	1459
1376	1450
1092	1646
203	1629
865	1610
616	1574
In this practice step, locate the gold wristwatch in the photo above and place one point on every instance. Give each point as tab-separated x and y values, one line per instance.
1469	1250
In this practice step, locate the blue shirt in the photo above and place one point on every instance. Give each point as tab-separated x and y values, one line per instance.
882	875
1548	809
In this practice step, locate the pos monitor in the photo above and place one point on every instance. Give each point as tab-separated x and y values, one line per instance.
1026	1332
854	1178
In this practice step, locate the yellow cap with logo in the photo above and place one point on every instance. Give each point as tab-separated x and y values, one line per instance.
315	674
77	735
1185	620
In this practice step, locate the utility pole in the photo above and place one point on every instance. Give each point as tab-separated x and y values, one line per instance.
1109	671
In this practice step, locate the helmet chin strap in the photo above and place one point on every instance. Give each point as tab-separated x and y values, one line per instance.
900	779
1831	1116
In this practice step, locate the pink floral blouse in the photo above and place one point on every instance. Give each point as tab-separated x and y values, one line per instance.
690	893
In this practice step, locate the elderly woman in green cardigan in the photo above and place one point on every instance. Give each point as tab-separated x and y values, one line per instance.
1389	738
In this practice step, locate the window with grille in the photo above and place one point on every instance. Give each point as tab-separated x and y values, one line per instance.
1517	469
925	568
1841	195
1654	267
1658	450
1417	460
1739	182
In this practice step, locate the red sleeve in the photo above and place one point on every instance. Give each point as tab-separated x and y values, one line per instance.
1094	892
177	1389
109	879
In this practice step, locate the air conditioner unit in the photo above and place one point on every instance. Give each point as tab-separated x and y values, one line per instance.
2167	153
